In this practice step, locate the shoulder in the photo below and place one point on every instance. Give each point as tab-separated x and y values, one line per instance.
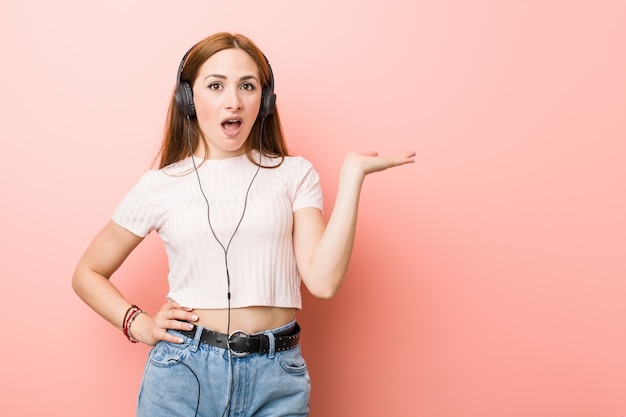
182	167
167	173
293	163
155	179
299	160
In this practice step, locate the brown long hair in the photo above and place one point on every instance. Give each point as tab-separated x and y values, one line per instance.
175	145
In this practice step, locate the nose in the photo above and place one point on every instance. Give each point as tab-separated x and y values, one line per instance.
233	101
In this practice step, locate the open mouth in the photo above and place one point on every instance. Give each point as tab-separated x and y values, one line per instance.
231	123
231	126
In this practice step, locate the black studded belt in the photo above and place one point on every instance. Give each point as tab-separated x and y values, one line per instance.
242	344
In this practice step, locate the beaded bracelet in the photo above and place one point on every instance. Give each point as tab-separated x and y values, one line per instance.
126	314
129	317
130	321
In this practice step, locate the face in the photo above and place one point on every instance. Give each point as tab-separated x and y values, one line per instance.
227	96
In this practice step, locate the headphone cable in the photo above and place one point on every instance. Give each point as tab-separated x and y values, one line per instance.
225	250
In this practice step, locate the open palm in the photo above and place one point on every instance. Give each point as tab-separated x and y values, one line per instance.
368	162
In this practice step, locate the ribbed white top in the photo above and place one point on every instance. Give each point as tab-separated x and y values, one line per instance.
261	259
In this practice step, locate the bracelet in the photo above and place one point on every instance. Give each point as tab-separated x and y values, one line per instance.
126	315
130	321
129	317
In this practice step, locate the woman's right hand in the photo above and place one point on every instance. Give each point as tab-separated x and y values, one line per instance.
150	330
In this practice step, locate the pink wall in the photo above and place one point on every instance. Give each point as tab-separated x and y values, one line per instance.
489	278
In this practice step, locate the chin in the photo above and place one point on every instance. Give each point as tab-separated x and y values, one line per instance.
233	147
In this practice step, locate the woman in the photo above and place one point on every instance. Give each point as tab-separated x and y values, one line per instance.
242	224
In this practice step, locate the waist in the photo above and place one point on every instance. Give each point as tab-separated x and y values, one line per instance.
255	319
242	344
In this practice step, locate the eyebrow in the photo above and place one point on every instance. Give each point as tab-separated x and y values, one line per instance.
223	77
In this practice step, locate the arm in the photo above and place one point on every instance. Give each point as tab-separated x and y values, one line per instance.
323	251
90	281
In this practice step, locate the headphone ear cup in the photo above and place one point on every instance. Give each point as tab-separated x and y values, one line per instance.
268	103
184	99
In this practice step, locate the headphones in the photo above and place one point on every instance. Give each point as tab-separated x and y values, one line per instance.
184	93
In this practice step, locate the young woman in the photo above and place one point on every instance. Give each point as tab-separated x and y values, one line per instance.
242	224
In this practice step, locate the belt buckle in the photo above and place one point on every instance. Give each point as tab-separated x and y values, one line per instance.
235	334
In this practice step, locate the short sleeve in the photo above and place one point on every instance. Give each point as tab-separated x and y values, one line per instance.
309	190
135	212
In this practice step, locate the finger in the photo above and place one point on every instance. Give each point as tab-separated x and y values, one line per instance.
173	304
178	325
167	337
180	314
170	305
401	159
408	154
160	330
181	320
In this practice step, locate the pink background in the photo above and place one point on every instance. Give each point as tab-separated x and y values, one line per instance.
488	279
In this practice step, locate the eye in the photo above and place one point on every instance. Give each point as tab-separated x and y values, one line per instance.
247	86
214	86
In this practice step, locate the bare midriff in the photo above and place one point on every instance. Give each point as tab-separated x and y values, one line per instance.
251	320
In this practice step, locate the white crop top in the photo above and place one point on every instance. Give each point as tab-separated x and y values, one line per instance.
261	259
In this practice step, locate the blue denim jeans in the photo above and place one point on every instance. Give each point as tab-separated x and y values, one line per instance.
195	379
